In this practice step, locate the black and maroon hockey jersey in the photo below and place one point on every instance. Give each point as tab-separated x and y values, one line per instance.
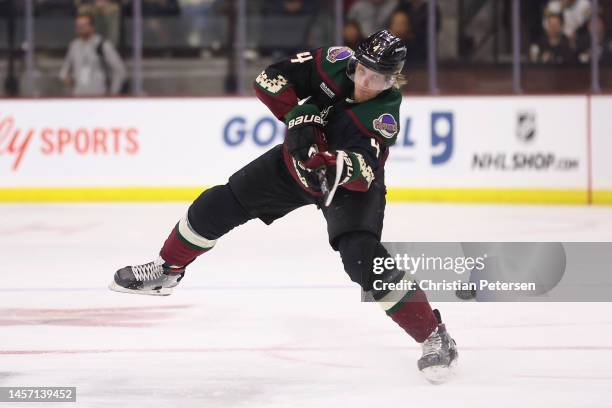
363	130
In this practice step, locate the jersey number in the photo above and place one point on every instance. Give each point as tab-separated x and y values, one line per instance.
302	57
375	145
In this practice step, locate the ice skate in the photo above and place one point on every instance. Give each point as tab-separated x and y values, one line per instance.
154	278
439	354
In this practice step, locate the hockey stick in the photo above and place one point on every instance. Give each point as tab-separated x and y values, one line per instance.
322	176
328	195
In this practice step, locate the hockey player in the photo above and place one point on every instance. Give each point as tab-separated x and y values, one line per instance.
335	149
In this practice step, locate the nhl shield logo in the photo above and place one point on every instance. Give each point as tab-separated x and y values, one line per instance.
338	54
526	126
386	125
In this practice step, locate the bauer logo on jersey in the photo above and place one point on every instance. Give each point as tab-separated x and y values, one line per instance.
386	125
304	120
338	54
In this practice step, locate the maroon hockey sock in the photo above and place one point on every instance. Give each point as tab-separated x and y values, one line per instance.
177	251
415	316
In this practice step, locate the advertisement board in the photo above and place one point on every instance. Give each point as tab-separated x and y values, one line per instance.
601	139
128	142
522	149
499	142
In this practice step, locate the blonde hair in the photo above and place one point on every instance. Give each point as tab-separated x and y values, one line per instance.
400	80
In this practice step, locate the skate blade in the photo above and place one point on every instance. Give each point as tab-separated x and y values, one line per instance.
160	292
439	374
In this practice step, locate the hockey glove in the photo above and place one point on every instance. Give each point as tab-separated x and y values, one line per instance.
336	167
343	168
304	130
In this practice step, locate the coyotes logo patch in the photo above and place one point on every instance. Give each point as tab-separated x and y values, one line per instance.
386	125
338	54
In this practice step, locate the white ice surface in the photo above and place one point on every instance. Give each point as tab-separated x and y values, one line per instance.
269	318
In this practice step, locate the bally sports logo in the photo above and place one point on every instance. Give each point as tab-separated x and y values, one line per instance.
386	125
18	142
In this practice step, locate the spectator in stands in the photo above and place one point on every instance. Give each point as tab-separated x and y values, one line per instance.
372	15
554	47
106	15
575	14
200	20
401	26
92	66
604	49
288	26
532	18
324	24
351	34
157	29
419	16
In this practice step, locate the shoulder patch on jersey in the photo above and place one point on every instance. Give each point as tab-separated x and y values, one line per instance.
338	54
272	85
386	125
379	117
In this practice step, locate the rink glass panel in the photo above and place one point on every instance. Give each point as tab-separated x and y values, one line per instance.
546	72
473	50
194	49
185	50
273	33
